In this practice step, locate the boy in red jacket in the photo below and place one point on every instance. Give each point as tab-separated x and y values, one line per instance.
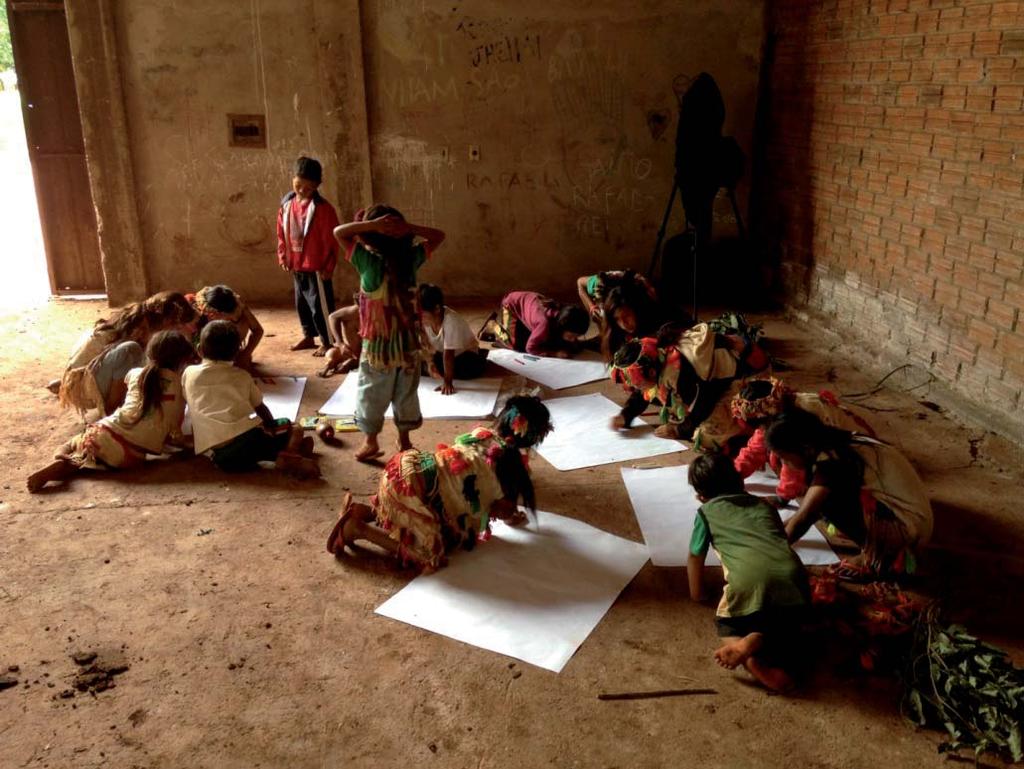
307	249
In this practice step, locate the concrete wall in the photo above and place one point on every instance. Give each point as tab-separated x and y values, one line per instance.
572	107
894	184
207	210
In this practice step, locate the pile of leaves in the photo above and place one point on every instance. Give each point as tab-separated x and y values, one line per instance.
971	689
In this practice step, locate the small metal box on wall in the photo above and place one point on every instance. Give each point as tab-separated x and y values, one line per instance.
247	131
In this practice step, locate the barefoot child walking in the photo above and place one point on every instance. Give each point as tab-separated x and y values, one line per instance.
430	504
387	251
766	589
149	418
222	399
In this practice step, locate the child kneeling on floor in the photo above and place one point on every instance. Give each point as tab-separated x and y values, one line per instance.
431	503
149	418
222	399
453	351
766	590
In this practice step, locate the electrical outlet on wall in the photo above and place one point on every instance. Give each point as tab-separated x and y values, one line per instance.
474	152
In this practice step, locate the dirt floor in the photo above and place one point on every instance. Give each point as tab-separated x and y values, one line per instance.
244	644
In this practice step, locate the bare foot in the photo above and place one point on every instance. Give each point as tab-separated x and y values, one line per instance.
667	431
53	386
737	652
297	465
321	351
351	364
307	343
343	532
369	451
776	679
55	471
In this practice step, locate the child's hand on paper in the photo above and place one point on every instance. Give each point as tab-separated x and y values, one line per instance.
446	388
618	422
506	510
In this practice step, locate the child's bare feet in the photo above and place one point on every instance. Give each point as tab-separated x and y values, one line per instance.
295	464
738	651
55	471
53	386
369	450
321	351
306	343
776	679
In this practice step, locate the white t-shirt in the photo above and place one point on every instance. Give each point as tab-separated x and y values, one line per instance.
221	398
454	334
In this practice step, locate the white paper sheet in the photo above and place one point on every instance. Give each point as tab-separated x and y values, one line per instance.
282	395
472	399
531	594
666	507
583	436
556	373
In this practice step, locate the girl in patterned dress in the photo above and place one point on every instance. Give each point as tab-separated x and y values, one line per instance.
431	503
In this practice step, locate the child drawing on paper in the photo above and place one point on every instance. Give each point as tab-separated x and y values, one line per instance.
532	323
149	418
431	503
452	349
766	590
865	488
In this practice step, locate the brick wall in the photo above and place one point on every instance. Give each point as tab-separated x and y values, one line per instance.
892	182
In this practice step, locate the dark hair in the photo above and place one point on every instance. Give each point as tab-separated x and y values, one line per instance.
165	308
572	318
431	297
166	349
309	169
757	389
220	340
801	432
382	244
713	475
522	423
221	298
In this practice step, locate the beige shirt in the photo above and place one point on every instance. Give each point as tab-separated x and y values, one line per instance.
221	398
90	344
149	431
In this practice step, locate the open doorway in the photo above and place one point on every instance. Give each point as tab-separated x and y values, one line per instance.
26	281
54	205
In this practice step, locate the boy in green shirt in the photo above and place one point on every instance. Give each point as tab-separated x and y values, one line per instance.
765	584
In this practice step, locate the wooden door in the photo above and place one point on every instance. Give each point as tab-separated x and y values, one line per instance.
46	80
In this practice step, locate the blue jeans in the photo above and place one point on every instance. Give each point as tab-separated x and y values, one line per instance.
115	364
377	390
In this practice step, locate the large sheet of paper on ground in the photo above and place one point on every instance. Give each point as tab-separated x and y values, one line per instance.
473	399
556	373
666	507
281	394
583	436
532	594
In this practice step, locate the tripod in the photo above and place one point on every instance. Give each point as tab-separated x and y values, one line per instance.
697	236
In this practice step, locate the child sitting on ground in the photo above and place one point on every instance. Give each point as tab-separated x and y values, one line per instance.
766	588
95	373
431	503
149	418
222	398
383	249
307	249
344	355
222	303
454	351
534	324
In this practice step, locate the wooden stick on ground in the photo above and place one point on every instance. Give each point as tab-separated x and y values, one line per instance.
652	695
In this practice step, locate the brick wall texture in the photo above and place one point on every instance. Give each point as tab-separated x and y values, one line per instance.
894	182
